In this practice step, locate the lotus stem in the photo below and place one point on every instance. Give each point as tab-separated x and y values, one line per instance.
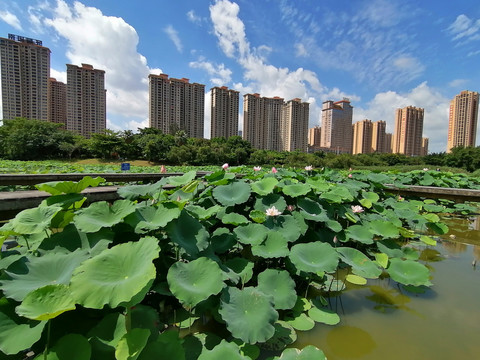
49	325
128	319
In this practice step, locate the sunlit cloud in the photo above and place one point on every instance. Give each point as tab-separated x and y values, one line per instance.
10	19
173	35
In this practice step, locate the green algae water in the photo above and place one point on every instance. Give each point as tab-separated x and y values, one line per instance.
384	321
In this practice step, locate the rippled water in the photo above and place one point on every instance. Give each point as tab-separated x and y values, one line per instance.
383	321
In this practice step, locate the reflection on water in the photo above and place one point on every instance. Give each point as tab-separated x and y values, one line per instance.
386	321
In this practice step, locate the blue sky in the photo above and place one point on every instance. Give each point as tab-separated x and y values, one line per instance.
382	54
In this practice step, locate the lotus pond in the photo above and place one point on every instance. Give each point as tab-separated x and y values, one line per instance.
277	265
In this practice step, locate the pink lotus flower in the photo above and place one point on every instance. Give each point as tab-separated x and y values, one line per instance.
257	168
309	167
357	209
290	208
273	211
335	239
425	169
400	198
274	170
350	176
163	170
225	166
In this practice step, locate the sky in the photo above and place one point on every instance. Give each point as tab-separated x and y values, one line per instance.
381	54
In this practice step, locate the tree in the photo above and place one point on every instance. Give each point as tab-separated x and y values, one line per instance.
107	145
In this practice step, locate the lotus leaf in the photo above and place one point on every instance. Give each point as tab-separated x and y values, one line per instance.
384	229
301	322
16	333
258	216
249	314
101	214
242	267
224	350
390	248
249	350
234	219
65	201
314	257
69	187
296	190
153	218
360	263
222	240
265	186
232	194
183	179
325	316
105	336
195	281
309	352
428	240
360	233
131	344
319	185
312	210
146	317
334	225
409	272
287	225
382	259
251	234
119	275
219	177
202	213
280	285
284	335
134	192
189	233
337	195
51	268
439	228
70	347
168	346
34	221
266	202
274	246
355	279
46	302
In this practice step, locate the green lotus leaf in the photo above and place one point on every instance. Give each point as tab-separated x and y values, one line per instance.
381	259
369	198
337	195
296	190
219	178
264	186
312	210
355	279
325	316
105	336
49	269
195	281
133	192
46	302
258	216
34	221
222	240
335	285
439	228
168	346
287	225
280	285
222	351
101	214
301	322
232	194
274	246
378	178
428	240
360	263
202	213
409	272
182	318
390	248
266	202
146	317
70	347
242	267
69	187
314	257
384	228
309	352
319	184
65	201
360	233
248	350
302	304
16	333
153	218
251	234
249	314
191	186
183	179
119	275
234	219
284	335
334	225
189	233
131	344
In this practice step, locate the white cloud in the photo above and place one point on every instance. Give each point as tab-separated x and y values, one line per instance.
473	53
10	19
465	28
194	18
108	43
435	105
458	83
58	75
220	76
300	50
173	35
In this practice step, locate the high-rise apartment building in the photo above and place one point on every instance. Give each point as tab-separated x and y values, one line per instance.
25	70
294	125
314	135
407	137
388	143
424	151
176	104
362	137
337	126
379	139
57	102
462	120
224	114
86	100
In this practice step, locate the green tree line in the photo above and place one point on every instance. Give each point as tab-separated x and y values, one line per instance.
22	139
